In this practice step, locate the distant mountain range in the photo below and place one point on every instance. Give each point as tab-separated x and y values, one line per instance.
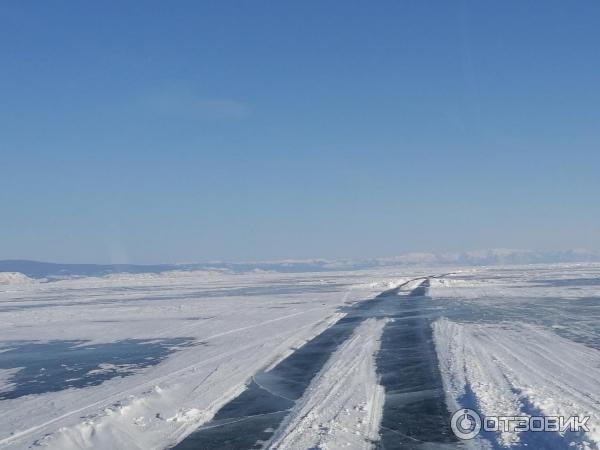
36	269
497	257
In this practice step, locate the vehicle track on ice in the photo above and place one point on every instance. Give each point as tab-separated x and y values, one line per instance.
278	391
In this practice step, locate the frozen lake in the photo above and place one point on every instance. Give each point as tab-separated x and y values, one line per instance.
365	358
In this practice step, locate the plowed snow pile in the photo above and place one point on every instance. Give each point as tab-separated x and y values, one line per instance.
342	407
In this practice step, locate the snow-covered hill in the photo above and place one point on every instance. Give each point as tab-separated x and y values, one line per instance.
493	257
14	278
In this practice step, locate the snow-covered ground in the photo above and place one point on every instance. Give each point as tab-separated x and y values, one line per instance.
241	323
507	365
142	360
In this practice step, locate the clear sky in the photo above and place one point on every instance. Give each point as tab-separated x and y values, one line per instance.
196	130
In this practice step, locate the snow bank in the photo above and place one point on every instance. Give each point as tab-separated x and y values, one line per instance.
344	403
506	365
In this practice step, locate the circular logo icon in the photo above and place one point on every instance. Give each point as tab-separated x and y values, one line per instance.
465	423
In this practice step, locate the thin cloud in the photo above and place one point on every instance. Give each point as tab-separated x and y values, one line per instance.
183	102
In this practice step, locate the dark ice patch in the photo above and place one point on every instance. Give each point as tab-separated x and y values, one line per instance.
57	365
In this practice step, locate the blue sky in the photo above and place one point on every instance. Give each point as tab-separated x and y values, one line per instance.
189	131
